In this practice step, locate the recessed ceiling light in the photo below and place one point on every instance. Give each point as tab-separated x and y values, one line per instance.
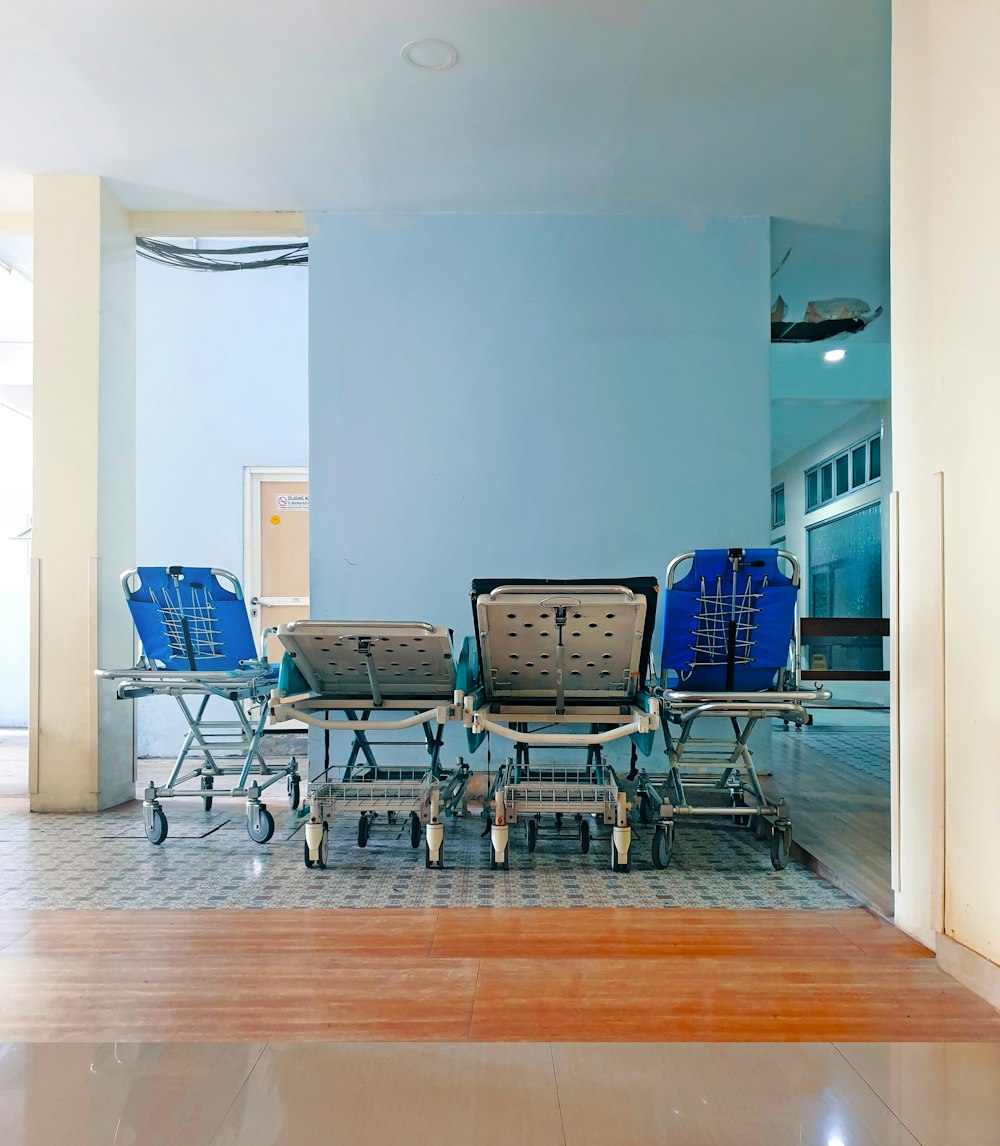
430	55
834	355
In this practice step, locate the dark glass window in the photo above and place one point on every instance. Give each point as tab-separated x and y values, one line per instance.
812	490
858	461
875	469
845	580
842	481
777	506
826	482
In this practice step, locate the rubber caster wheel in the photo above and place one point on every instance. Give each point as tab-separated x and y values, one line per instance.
294	792
646	813
761	828
616	864
415	833
364	830
532	834
207	784
503	865
322	852
156	832
663	846
265	828
781	843
738	800
427	856
585	836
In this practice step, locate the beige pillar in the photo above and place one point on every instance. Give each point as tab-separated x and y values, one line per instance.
946	420
83	529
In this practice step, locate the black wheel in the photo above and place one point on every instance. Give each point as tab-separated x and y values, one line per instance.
207	784
646	813
294	792
415	830
532	833
494	863
663	845
761	828
781	843
616	864
265	828
585	836
440	859
738	800
156	832
364	829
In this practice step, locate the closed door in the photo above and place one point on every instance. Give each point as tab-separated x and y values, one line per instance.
278	576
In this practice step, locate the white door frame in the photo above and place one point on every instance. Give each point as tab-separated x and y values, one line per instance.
252	478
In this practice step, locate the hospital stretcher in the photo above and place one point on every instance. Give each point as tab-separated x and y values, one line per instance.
383	676
549	657
730	658
197	645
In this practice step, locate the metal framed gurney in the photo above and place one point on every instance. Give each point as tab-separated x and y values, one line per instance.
548	656
197	645
384	676
730	658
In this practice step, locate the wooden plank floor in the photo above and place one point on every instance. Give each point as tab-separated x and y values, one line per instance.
840	818
480	974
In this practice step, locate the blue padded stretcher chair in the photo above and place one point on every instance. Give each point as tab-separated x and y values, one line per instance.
197	644
547	656
730	651
403	675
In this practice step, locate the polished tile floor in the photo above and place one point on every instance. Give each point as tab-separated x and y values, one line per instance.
819	1094
863	749
209	861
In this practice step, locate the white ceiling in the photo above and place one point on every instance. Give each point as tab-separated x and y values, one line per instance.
775	107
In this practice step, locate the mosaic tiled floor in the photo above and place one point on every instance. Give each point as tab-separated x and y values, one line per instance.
866	749
105	861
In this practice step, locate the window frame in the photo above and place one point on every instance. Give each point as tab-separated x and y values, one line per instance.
829	466
777	490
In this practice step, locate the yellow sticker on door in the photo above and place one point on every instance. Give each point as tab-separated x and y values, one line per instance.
276	520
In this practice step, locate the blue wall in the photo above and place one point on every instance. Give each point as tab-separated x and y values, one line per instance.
529	395
221	383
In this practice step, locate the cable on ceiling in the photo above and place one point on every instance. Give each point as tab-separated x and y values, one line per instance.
224	258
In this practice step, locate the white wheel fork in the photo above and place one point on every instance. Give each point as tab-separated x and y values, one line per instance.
314	837
621	833
499	834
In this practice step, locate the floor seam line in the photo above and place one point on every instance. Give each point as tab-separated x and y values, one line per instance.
896	1117
256	1062
555	1082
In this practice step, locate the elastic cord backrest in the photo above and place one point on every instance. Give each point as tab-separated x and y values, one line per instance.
188	621
725	633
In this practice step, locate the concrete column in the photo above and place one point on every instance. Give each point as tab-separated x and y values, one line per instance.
945	243
83	531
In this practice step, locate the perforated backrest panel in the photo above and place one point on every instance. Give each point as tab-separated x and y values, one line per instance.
410	659
602	637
